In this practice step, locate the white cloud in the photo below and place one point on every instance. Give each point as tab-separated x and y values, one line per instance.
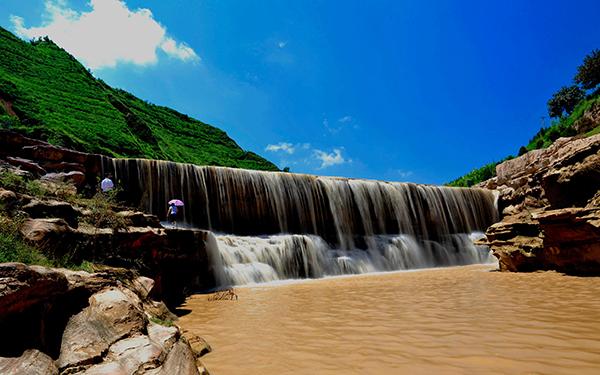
282	44
404	174
107	34
282	146
345	119
330	159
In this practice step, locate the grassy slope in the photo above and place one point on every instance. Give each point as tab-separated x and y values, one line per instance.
55	98
544	138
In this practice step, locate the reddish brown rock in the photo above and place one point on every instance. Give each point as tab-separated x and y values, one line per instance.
550	202
23	286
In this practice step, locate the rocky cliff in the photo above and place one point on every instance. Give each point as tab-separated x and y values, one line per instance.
55	320
65	219
60	321
550	202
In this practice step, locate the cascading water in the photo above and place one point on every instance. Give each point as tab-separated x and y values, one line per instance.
282	225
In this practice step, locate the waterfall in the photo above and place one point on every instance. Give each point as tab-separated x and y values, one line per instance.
277	225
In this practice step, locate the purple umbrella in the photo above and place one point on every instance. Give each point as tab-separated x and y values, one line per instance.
176	202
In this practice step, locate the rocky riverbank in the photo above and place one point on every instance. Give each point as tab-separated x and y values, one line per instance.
74	322
550	203
105	321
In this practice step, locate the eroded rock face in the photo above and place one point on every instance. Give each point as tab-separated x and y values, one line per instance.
52	209
111	315
550	201
112	334
23	286
32	362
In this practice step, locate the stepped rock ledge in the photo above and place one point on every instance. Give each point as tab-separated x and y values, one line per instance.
550	203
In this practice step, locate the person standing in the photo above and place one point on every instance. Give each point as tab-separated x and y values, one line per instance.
107	184
172	214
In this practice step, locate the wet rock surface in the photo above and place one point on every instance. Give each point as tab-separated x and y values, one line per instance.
550	202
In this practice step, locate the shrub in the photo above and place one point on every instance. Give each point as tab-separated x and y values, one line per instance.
565	100
102	214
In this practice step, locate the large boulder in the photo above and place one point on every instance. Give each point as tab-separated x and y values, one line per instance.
52	209
32	362
74	177
23	286
7	198
28	165
45	231
111	315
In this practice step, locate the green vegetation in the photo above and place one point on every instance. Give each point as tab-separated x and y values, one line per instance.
571	101
166	323
14	182
47	94
565	100
478	175
12	246
102	214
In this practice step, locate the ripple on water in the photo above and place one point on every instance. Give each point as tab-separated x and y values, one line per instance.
454	320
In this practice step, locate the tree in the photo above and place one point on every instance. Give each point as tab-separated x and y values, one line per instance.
588	73
565	100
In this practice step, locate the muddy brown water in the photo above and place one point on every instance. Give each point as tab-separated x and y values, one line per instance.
459	320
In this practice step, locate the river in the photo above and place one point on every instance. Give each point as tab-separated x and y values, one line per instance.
462	320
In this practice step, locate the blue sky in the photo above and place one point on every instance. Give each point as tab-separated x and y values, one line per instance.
420	91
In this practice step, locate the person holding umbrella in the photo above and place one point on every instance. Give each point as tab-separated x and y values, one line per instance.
174	205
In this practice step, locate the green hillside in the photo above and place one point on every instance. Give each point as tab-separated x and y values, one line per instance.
46	93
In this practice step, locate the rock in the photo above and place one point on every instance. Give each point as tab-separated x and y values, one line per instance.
180	360
549	200
142	286
163	336
140	219
45	230
52	209
61	166
74	177
112	315
199	346
109	335
27	165
572	240
7	198
574	184
32	362
47	152
23	286
589	120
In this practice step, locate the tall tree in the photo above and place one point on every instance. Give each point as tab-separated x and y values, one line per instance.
565	100
588	73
